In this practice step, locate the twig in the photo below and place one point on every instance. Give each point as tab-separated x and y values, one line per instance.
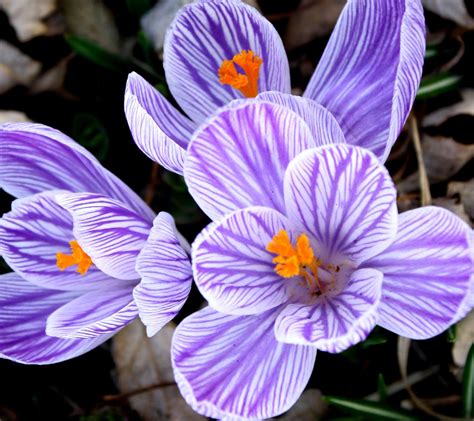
424	183
126	395
152	184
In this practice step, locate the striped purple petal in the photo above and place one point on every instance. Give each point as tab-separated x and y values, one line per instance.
322	124
232	268
428	273
159	130
49	160
111	234
206	33
238	158
370	71
166	275
345	199
334	322
232	367
93	314
30	236
25	308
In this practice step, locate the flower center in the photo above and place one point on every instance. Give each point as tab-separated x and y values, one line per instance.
77	257
247	83
300	260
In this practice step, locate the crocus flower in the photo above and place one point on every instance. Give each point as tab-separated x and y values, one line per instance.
82	246
217	51
306	253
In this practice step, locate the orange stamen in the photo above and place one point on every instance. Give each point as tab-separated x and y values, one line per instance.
246	83
77	257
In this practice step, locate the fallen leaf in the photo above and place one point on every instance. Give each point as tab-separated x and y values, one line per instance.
13	117
52	79
309	407
140	362
16	68
465	190
32	18
454	10
464	339
91	19
312	19
443	158
466	106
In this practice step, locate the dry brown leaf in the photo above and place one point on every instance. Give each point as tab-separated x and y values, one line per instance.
443	158
140	362
314	18
454	10
465	190
91	19
13	117
309	407
16	68
466	106
32	18
52	79
464	339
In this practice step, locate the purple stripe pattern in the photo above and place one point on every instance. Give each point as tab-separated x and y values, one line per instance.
160	131
228	168
166	275
345	199
371	69
232	367
427	274
206	33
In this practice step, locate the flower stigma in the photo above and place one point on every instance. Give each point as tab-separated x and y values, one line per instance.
78	257
246	83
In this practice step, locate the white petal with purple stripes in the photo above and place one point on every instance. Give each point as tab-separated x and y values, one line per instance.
166	275
334	323
30	236
345	199
232	268
370	71
427	273
206	33
107	231
25	308
49	160
232	366
238	158
322	124
93	314
159	130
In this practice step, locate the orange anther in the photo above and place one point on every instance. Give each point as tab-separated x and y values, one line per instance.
246	83
77	257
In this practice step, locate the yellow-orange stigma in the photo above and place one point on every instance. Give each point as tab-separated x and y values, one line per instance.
292	261
246	83
77	257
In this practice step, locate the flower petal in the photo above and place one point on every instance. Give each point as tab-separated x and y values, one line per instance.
166	274
93	314
232	366
322	124
345	199
25	308
370	71
109	233
334	323
159	130
205	34
30	236
232	268
49	160
238	158
427	273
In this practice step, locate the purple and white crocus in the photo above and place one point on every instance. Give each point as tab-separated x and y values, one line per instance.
366	79
129	261
306	252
